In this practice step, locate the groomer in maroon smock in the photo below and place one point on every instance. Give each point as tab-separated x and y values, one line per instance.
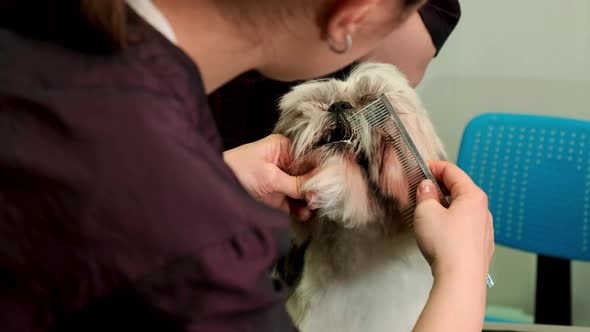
119	209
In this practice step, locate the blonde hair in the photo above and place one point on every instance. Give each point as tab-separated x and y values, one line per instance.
108	18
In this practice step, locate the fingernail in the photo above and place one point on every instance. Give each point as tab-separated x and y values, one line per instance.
426	187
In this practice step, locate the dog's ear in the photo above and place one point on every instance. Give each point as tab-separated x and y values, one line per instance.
424	136
370	78
392	181
418	124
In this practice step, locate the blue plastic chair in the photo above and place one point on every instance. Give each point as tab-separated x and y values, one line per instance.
536	172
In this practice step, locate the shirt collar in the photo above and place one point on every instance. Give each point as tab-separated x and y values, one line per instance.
149	12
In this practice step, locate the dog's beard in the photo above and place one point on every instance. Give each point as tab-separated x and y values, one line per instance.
358	178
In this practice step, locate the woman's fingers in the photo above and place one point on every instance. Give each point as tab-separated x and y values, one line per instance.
457	181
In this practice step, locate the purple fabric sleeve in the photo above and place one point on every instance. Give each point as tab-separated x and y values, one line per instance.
117	212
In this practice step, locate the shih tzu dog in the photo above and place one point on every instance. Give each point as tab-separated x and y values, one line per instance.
355	265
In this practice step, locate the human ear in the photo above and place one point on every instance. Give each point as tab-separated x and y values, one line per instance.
344	17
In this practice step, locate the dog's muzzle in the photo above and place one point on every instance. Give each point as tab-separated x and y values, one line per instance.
340	135
341	130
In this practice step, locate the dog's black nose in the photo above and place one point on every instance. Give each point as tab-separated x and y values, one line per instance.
339	107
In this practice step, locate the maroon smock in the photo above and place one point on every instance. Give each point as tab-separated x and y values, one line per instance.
117	211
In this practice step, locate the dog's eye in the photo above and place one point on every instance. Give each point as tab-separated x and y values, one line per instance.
323	141
366	99
363	161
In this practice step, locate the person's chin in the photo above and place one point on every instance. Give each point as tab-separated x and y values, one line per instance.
304	71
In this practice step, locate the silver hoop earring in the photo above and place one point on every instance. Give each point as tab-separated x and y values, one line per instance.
347	45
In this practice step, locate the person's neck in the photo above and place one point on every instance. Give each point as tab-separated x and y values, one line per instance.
212	41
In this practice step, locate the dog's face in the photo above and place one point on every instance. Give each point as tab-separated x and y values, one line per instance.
358	178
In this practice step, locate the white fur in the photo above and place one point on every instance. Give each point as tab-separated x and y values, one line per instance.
329	193
383	291
363	270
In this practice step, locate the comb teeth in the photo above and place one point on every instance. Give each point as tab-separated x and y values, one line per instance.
380	114
374	115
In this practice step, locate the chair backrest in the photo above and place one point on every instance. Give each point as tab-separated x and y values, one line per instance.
536	172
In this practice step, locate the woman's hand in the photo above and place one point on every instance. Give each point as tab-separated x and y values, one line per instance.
458	242
259	166
460	237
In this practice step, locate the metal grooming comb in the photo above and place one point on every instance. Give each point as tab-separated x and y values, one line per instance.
380	114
